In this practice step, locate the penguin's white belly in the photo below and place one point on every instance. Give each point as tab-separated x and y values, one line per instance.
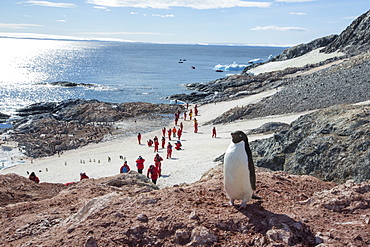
236	173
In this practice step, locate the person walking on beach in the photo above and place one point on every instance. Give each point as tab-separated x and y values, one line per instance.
169	132
214	132
124	168
179	133
174	131
140	164
34	178
191	114
169	151
163	141
164	131
195	126
196	110
153	172
156	145
181	126
184	116
158	163
139	138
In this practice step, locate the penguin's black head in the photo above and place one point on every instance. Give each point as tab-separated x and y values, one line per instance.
239	136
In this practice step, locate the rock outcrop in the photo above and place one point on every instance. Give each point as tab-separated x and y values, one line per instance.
49	128
127	210
331	144
354	39
3	117
344	83
302	49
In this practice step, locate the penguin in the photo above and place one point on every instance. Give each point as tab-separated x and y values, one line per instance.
239	173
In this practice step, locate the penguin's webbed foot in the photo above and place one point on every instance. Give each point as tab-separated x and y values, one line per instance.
231	202
243	205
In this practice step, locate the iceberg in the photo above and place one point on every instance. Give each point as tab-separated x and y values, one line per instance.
230	67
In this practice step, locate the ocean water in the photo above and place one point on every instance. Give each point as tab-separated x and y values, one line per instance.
120	72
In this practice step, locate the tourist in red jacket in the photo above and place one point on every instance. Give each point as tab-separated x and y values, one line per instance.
34	178
83	176
153	172
140	164
125	168
158	163
163	141
169	132
178	145
214	132
179	133
169	151
139	138
156	146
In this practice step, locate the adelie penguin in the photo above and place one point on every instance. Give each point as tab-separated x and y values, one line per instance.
239	173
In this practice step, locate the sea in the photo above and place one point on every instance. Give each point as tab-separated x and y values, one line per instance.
114	72
118	71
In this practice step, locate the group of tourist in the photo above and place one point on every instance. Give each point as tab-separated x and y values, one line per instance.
155	171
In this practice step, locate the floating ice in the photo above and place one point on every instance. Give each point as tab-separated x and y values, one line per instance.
230	67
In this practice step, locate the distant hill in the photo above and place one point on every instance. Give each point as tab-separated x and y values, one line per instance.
354	39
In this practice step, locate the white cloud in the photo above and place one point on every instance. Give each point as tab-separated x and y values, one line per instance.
18	25
51	4
275	28
163	16
298	13
123	33
134	13
165	4
61	21
294	1
57	37
350	18
101	7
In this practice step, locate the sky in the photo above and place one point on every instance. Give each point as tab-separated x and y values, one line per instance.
226	22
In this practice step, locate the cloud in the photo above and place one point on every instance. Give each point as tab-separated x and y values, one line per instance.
18	25
61	21
123	33
101	7
163	16
50	4
298	13
294	1
275	28
165	4
134	13
56	37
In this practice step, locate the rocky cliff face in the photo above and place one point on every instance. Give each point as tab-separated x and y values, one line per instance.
355	38
331	144
302	49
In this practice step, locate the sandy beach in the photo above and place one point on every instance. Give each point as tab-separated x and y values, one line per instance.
186	166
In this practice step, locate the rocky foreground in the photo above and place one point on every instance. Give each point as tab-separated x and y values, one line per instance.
128	210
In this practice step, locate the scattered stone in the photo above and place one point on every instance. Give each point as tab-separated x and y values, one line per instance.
142	218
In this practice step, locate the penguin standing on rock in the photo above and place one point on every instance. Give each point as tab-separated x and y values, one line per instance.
239	174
